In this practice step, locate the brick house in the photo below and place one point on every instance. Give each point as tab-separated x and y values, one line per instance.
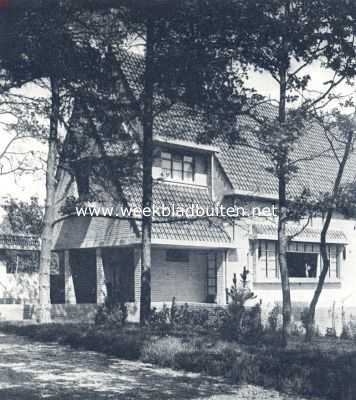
195	260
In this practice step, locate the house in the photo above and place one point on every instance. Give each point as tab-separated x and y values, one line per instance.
19	264
194	260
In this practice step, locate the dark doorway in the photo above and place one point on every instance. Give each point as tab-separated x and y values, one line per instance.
83	266
119	274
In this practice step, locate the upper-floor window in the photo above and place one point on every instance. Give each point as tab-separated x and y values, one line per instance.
177	166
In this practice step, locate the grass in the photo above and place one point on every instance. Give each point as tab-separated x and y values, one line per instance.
325	368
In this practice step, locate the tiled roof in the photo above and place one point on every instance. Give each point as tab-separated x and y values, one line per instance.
189	229
176	121
244	166
21	242
269	231
317	167
79	232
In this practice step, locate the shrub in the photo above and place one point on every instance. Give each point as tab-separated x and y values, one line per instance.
183	320
274	317
210	362
241	324
160	321
111	314
349	329
163	350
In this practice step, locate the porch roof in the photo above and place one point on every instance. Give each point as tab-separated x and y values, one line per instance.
84	232
91	232
310	235
19	242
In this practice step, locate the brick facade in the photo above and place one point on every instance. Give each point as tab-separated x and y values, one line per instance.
184	281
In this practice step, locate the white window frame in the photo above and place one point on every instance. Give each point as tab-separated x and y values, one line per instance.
184	160
264	272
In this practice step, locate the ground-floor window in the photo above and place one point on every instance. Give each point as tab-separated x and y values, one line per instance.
212	277
303	260
302	265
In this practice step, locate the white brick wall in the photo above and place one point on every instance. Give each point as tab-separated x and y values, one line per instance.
185	281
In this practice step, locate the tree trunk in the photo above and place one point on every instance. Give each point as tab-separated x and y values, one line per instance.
145	300
44	312
323	249
326	264
282	218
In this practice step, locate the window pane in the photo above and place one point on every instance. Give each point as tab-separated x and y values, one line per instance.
177	158
166	168
177	166
302	265
166	156
188	176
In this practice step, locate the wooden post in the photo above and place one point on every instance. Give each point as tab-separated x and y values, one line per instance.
101	291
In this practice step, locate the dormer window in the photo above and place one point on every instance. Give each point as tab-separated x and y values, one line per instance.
177	166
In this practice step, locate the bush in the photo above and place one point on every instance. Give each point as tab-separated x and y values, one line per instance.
183	320
209	362
111	315
160	321
274	318
349	329
163	350
241	324
307	372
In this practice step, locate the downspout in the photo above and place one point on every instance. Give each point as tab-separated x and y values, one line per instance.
212	176
225	277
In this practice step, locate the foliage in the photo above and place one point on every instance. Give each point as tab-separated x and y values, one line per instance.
125	344
326	368
274	317
185	320
304	317
111	315
163	350
25	217
349	329
160	321
241	324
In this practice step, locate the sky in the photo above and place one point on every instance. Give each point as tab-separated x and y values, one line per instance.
33	184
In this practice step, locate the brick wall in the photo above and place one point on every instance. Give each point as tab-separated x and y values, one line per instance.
185	281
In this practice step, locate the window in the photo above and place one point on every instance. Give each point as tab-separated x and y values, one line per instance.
267	250
302	265
22	261
177	166
177	256
212	277
303	260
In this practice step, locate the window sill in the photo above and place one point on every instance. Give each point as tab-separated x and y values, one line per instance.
298	281
180	182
